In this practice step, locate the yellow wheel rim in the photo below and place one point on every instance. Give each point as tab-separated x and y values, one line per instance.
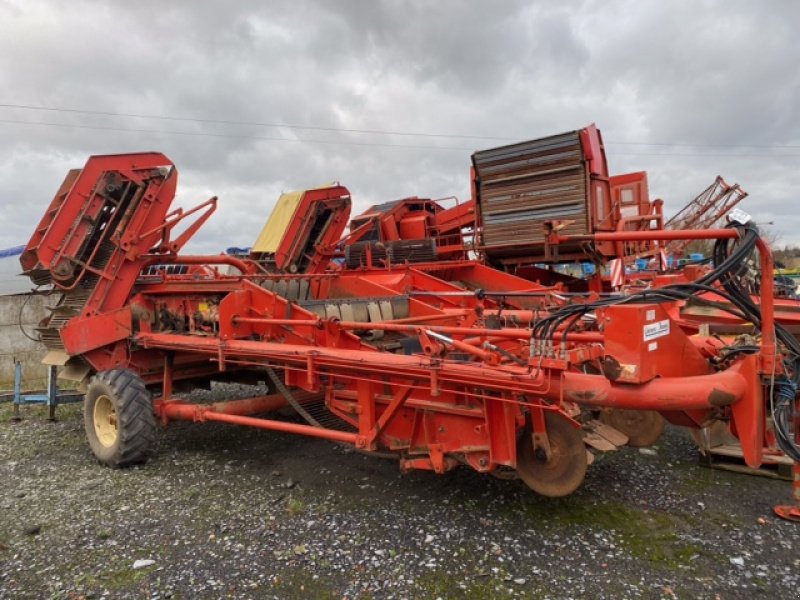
105	421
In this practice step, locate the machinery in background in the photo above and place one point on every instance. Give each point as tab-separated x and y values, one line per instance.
705	211
302	230
561	180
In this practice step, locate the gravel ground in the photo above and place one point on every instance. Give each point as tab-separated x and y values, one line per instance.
225	512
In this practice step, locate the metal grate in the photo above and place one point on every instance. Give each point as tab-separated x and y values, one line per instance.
523	185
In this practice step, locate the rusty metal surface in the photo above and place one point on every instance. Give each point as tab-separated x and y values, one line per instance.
521	186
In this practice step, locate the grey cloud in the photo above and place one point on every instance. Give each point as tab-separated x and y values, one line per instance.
676	72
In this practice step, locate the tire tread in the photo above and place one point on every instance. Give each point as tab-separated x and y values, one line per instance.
137	424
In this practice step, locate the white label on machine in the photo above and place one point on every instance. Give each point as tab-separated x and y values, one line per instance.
656	330
650	315
652	346
739	216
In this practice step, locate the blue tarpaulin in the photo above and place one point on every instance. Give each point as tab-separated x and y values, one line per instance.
10	281
15	251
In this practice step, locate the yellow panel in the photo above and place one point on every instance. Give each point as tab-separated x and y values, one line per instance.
270	237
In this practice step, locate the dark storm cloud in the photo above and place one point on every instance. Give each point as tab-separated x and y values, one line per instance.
671	72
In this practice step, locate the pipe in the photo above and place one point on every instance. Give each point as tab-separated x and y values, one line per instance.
234	411
309	430
245	266
177	410
521	334
513	334
767	306
671	393
646	236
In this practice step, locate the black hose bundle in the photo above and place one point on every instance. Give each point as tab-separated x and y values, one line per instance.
783	395
731	282
783	390
724	264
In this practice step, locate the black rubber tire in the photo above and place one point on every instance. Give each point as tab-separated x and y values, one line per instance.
565	471
135	423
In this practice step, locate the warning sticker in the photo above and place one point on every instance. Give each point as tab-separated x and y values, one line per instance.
656	330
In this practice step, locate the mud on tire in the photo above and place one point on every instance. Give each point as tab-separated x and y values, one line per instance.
118	418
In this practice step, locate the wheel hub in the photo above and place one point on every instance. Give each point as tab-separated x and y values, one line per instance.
105	421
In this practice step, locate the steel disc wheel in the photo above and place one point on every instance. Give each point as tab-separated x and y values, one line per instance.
643	427
564	471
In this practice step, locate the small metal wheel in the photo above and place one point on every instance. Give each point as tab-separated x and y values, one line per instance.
118	418
643	427
564	471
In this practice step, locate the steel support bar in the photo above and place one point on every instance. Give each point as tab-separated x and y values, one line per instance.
235	411
768	348
791	512
51	398
648	236
177	410
516	334
399	398
309	430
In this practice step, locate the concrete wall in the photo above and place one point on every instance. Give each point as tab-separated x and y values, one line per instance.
14	344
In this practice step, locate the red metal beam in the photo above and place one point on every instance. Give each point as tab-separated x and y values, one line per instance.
309	430
644	236
664	394
177	410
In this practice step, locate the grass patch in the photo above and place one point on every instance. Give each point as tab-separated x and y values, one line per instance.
645	535
696	479
443	584
295	507
192	494
121	577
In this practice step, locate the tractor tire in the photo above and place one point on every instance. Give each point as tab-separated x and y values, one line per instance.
565	470
643	427
118	418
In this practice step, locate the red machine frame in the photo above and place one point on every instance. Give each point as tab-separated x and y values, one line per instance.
439	374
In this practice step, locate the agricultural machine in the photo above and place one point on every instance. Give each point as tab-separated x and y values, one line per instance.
437	333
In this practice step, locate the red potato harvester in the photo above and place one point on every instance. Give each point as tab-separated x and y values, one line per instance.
380	341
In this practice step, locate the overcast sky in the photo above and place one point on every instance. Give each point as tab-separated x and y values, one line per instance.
685	90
